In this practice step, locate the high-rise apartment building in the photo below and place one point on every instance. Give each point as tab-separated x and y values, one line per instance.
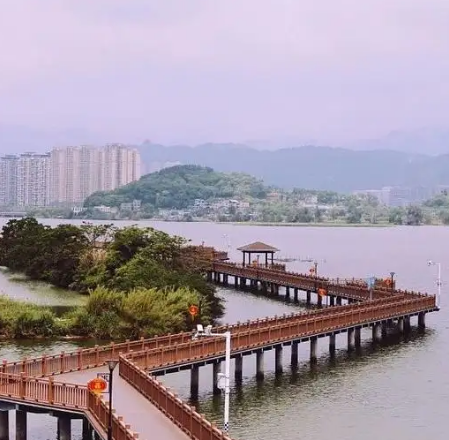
120	166
24	180
66	176
8	180
77	172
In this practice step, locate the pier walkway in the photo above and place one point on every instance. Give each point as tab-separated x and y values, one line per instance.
144	408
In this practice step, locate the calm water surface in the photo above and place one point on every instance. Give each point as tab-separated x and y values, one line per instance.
398	391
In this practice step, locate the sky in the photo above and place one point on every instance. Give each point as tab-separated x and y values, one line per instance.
191	71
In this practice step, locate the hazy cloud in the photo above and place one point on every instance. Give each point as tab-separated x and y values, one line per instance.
197	70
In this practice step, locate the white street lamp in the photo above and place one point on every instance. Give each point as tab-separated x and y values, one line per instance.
223	379
433	263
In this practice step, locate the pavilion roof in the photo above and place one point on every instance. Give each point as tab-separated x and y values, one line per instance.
258	247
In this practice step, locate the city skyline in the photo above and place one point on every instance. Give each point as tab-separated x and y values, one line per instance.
66	176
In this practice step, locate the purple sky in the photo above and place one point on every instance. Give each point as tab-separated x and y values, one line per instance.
225	70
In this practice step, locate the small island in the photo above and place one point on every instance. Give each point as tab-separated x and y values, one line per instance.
140	282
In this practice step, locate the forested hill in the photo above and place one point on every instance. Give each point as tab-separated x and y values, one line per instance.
321	168
178	187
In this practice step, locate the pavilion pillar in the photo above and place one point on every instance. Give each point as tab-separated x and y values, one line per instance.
338	300
308	297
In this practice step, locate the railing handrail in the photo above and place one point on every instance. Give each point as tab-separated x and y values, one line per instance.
378	312
195	424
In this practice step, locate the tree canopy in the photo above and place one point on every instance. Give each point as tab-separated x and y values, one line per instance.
128	262
178	187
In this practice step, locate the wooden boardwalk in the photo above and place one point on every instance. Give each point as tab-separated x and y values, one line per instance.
144	418
146	409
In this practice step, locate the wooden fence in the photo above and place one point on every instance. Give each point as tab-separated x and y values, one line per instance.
43	391
303	281
100	411
286	330
195	425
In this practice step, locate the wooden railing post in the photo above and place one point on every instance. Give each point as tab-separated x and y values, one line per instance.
24	363
4	366
22	388
97	355
80	359
44	366
51	390
61	362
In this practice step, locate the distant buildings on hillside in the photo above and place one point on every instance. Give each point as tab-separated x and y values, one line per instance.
398	196
66	175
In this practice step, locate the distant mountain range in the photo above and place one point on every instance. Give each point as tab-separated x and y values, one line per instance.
322	168
371	164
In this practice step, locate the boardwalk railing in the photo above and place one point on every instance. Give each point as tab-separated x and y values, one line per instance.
301	281
100	410
195	425
287	329
43	391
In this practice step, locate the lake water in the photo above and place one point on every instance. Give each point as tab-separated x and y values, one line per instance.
399	390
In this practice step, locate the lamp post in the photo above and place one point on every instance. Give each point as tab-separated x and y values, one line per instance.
433	263
111	365
223	379
392	274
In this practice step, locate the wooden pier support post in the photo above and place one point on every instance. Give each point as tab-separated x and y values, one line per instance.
313	349
407	326
422	320
308	297
376	332
87	430
332	343
216	368
384	329
294	354
287	292
351	339
320	301
295	294
21	425
259	365
278	359
238	373
331	300
401	325
4	425
194	380
236	282
64	428
358	337
338	300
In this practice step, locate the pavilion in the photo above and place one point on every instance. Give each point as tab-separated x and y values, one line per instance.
258	248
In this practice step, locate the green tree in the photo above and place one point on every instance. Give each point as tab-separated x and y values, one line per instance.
414	215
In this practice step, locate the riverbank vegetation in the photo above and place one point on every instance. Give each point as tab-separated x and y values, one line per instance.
140	281
195	193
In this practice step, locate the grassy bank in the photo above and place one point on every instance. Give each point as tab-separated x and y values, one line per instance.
107	315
